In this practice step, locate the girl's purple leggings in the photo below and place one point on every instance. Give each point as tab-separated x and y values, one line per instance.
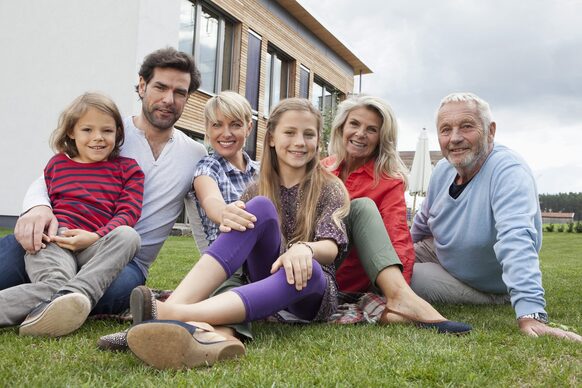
258	248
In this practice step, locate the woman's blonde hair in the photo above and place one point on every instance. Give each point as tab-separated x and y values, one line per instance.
388	162
316	177
60	140
232	105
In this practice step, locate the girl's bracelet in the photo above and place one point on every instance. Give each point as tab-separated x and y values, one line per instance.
301	243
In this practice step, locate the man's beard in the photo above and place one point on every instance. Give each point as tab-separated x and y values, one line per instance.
161	124
473	158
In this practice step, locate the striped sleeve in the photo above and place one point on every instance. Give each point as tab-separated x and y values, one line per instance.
128	206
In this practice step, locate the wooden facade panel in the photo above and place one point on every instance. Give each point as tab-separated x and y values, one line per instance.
251	14
192	118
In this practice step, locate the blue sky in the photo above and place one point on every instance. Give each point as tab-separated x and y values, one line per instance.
523	57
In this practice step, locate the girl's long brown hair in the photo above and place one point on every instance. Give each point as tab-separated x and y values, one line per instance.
310	188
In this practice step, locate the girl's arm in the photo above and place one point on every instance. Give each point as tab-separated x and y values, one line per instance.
324	251
298	260
331	239
128	205
227	216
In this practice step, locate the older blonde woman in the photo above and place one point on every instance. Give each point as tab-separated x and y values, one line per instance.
363	155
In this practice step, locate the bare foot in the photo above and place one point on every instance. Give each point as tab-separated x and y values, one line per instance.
406	306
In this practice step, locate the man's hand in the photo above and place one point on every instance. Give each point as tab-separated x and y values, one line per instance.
35	228
234	217
75	239
298	265
535	328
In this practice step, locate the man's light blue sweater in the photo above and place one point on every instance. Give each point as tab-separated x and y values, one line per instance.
490	236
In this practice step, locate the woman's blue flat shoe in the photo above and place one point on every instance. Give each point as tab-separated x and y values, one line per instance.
441	327
446	327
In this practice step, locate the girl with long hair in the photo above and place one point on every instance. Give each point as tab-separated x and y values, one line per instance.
288	256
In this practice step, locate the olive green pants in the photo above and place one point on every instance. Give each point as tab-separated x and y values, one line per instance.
368	235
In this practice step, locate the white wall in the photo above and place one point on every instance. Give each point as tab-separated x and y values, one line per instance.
52	51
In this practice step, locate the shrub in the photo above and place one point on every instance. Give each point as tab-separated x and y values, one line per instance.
560	228
550	228
578	227
570	227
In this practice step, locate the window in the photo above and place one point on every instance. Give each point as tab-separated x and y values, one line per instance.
253	70
208	35
252	88
303	82
277	77
325	96
251	143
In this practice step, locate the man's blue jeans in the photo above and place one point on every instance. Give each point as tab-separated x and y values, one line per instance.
114	301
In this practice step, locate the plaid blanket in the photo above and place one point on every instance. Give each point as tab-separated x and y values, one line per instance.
353	308
358	308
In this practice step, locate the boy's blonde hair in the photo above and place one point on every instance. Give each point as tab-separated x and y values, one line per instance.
60	140
315	179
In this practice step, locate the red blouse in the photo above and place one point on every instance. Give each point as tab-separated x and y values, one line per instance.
389	198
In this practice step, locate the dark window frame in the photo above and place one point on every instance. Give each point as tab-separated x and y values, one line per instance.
304	78
253	87
223	69
285	78
253	75
334	95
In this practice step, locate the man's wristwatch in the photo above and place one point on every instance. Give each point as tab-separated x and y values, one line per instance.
540	317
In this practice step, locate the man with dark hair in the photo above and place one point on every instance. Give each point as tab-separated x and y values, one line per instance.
167	157
170	58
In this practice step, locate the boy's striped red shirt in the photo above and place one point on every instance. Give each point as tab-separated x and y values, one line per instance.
96	197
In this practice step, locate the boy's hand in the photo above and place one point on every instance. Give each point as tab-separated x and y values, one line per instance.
75	239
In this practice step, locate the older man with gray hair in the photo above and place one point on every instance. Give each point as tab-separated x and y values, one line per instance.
479	231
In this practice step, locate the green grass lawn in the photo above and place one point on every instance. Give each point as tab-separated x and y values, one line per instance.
495	354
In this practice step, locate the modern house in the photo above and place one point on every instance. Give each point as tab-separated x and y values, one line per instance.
557	217
267	50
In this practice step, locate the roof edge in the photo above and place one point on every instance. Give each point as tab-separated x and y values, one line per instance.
311	23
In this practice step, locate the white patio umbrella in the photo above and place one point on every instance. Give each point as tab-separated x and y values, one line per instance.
421	169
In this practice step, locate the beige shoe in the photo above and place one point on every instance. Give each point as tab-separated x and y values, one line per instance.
62	315
179	345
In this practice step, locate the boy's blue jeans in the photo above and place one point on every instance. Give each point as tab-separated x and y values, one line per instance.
114	301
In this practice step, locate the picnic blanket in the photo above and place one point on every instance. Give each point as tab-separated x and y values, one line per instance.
353	308
358	308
